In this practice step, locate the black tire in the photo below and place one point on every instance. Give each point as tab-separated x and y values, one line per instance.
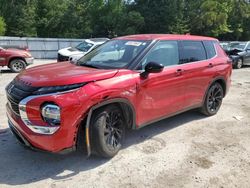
213	100
17	65
107	131
239	64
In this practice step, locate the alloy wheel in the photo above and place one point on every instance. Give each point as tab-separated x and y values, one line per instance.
113	130
18	66
215	98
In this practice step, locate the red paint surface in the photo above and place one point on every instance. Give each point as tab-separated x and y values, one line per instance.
159	95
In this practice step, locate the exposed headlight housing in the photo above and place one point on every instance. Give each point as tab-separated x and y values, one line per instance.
47	130
55	89
51	114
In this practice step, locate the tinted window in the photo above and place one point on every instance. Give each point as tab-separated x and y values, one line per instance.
209	46
164	52
192	51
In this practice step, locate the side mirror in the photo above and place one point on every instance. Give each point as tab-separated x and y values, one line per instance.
152	67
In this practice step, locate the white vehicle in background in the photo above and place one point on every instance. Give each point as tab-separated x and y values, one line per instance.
224	45
75	53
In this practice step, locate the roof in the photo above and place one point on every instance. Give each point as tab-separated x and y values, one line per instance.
164	37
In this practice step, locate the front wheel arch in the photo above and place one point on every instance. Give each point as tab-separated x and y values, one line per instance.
127	109
13	58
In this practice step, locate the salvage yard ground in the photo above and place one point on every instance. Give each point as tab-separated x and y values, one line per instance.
188	150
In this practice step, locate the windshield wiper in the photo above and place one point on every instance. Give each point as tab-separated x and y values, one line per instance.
91	66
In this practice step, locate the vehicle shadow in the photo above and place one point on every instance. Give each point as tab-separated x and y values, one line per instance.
22	166
7	71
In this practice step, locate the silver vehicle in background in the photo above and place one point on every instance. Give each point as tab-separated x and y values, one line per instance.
239	52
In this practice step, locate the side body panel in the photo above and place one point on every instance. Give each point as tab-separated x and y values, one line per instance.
159	95
3	58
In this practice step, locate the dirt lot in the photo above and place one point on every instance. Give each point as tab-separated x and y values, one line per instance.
188	150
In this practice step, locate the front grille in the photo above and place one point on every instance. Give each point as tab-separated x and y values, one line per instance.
17	91
62	58
14	105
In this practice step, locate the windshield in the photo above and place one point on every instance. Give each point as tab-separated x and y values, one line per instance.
84	46
114	54
239	46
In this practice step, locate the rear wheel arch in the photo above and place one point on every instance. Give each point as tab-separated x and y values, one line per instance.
213	99
221	81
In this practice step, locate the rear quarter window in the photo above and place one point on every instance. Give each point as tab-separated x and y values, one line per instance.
210	49
192	51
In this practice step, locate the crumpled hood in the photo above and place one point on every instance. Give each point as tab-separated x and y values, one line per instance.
235	52
63	73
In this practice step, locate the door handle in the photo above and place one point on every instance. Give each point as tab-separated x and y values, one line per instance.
210	65
178	72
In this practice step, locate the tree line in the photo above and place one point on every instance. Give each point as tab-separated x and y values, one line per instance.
224	19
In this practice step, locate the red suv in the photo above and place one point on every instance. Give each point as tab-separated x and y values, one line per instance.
15	59
127	83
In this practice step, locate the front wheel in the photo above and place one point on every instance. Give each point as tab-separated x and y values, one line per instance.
17	65
213	100
107	131
239	64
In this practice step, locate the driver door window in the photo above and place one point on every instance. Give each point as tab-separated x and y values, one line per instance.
164	52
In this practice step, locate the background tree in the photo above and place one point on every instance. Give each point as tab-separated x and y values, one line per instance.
19	17
49	14
209	17
2	26
224	19
238	21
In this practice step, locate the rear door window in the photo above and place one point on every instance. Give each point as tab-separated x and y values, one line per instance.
191	51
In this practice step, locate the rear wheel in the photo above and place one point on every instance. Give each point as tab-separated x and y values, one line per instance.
17	65
108	130
213	100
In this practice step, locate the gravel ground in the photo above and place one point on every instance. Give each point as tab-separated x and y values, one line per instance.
188	150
